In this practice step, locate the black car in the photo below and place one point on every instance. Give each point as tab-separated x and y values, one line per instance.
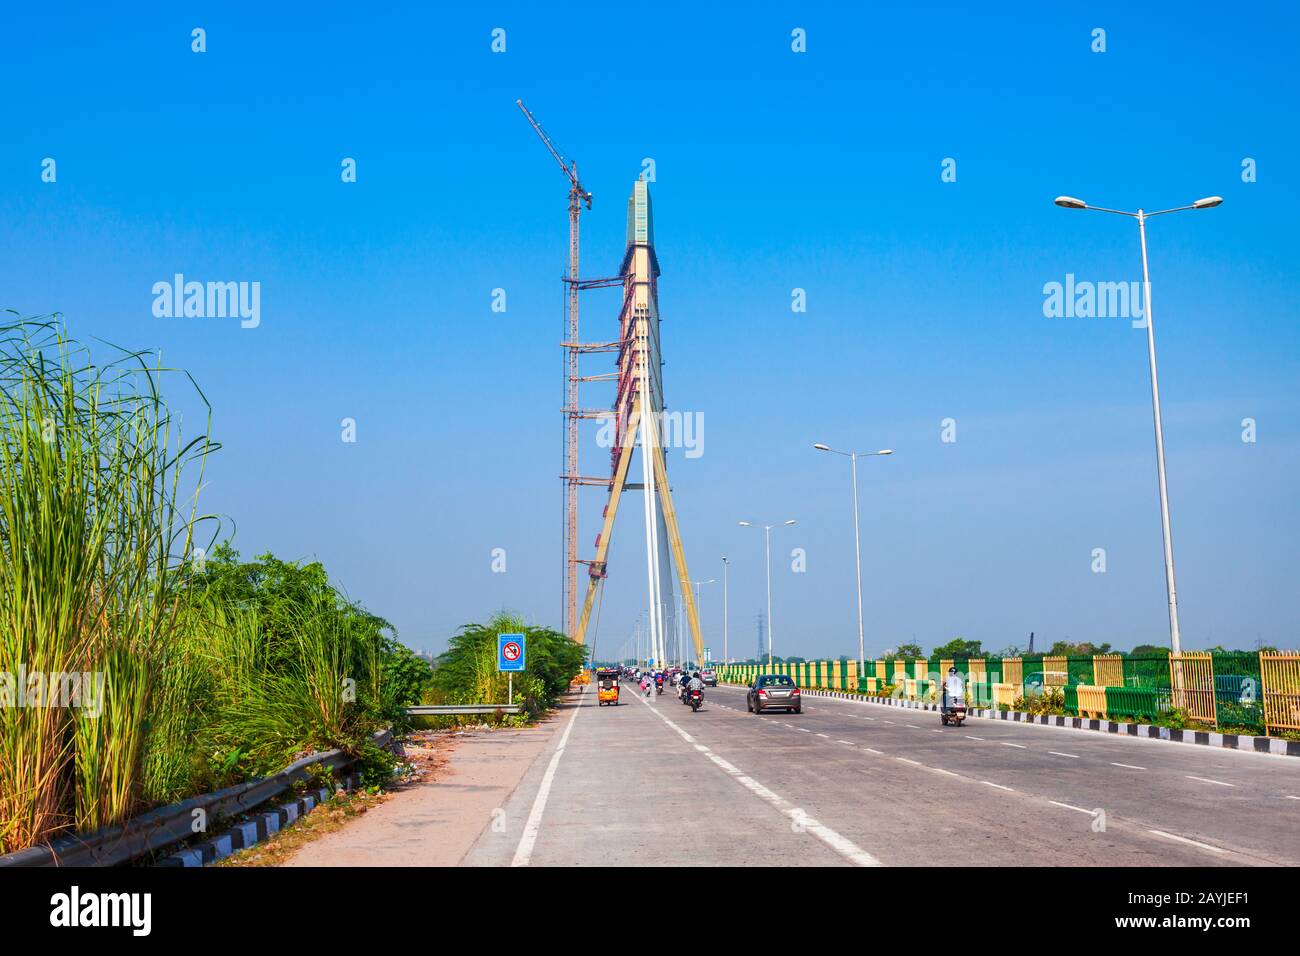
773	692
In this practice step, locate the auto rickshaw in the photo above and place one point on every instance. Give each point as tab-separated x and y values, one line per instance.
607	687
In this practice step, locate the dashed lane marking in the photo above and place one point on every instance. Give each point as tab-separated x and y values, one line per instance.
1208	780
1070	806
998	785
1057	753
1171	836
1126	766
840	844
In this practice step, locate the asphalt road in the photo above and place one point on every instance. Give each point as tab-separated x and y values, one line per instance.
851	783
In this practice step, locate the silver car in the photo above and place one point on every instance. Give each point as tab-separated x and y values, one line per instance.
774	692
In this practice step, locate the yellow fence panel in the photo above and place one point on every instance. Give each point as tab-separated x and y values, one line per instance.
1005	694
1280	675
1191	676
1013	670
1092	700
1108	670
1055	671
880	670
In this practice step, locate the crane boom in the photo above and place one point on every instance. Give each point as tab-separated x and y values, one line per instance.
570	170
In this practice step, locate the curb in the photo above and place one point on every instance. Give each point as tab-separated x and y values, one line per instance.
1207	738
253	831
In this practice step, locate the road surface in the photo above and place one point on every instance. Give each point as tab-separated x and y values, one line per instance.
852	783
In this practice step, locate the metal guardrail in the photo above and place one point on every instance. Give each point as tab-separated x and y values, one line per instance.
433	710
164	826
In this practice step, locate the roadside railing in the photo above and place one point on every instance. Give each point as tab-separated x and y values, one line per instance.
1241	692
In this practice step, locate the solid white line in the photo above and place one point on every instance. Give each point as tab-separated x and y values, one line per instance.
1171	836
1208	780
998	785
1127	766
1070	807
840	844
1017	746
1057	753
524	851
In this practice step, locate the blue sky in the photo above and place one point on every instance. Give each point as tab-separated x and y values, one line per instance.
774	171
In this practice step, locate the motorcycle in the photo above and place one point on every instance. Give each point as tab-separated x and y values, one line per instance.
694	698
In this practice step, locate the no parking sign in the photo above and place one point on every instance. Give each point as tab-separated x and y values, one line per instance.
510	652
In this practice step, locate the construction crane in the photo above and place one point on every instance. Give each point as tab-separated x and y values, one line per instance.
578	196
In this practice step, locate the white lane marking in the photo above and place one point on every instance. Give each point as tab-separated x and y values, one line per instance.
973	737
524	851
1057	753
1171	836
868	718
824	735
890	722
913	726
948	772
849	742
905	760
1208	780
1127	766
1017	746
1289	797
998	785
869	750
1069	806
804	730
935	730
840	844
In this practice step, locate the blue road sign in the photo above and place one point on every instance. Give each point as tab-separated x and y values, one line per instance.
510	652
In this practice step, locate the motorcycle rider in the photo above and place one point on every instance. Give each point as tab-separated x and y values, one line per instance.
696	683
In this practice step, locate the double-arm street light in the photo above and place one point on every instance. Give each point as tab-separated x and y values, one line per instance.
1069	202
767	543
853	457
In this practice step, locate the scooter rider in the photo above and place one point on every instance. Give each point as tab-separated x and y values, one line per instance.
953	689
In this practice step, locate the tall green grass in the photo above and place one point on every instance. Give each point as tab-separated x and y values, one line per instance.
92	523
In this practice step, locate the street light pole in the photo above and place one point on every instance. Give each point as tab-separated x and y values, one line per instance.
726	657
1171	589
767	546
697	605
853	457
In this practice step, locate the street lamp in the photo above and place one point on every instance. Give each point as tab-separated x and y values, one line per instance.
726	657
1209	202
767	544
853	457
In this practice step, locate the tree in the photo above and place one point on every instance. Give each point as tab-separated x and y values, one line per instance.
1083	649
1149	650
958	648
910	650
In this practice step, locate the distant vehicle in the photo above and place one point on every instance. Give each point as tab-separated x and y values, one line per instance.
773	692
709	677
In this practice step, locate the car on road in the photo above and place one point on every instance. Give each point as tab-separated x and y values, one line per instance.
709	677
773	692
